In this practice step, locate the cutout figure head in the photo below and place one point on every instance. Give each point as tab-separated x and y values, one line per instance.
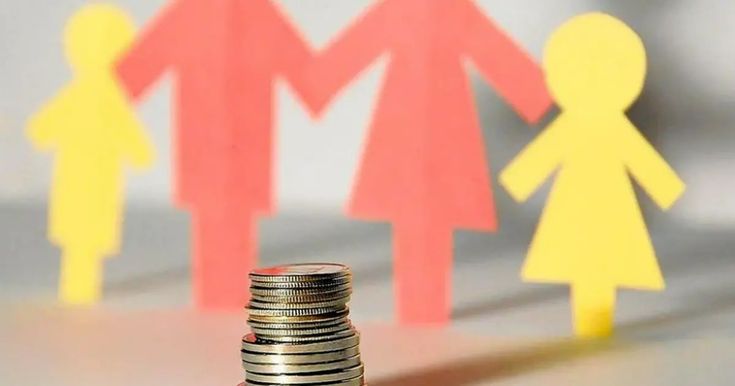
595	62
96	35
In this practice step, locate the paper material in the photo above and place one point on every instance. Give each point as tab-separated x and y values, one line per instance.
93	132
592	233
225	56
424	165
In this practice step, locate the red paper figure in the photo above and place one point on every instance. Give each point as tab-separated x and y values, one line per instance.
224	55
424	165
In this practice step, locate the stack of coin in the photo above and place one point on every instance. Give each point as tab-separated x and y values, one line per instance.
301	331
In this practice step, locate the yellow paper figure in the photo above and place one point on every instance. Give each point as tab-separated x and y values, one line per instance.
93	131
592	233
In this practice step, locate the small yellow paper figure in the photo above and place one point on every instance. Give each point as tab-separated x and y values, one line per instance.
592	233
93	132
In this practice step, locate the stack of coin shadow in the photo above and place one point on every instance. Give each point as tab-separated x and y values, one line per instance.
301	331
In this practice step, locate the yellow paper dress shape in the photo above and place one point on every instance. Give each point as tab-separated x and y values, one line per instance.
592	233
93	132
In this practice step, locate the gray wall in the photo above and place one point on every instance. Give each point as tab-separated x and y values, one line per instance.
687	108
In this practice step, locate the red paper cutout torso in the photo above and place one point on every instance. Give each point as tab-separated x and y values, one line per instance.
424	156
225	55
425	128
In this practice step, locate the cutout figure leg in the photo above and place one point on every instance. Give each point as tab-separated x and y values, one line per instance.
225	252
80	281
594	309
423	270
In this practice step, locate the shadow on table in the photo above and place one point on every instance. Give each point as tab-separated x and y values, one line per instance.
498	365
714	244
701	306
516	300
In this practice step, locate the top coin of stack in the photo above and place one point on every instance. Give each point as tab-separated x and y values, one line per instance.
301	331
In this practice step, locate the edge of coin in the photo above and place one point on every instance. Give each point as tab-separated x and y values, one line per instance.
251	343
305	358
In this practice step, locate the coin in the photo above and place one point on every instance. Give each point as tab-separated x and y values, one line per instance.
298	326
296	312
303	284
350	382
299	319
300	272
306	338
295	298
343	375
307	358
251	343
265	333
298	292
300	299
282	368
295	306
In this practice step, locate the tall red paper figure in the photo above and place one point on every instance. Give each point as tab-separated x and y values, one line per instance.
224	55
424	165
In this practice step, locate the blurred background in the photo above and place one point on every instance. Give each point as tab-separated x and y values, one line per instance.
687	111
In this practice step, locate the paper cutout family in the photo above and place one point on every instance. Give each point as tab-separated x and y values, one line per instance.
424	166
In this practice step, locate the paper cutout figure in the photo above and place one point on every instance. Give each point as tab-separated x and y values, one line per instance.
592	233
93	132
225	56
424	165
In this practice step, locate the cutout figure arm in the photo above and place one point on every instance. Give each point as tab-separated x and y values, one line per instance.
44	126
351	52
503	63
135	144
534	164
293	55
650	170
152	52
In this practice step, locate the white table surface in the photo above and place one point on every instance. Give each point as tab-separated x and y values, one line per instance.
504	332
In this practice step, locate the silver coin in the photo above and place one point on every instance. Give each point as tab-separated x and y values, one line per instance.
336	376
298	319
308	358
300	339
298	306
359	381
299	292
264	333
300	272
251	343
331	309
303	298
282	368
302	284
299	326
